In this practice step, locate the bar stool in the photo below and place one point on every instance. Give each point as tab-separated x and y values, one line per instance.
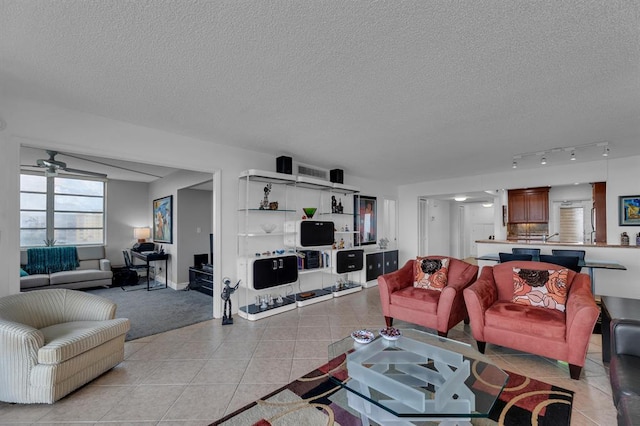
534	252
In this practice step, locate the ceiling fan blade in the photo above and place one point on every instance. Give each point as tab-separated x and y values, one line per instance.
85	172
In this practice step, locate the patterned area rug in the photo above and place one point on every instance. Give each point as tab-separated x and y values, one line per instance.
315	399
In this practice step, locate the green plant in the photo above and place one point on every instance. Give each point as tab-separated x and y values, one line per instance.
49	242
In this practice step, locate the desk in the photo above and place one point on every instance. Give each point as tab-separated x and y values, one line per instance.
587	263
153	257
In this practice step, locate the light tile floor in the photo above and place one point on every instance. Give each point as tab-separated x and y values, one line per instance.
194	375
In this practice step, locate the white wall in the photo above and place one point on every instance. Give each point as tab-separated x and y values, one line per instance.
620	175
172	185
196	223
9	215
50	127
127	207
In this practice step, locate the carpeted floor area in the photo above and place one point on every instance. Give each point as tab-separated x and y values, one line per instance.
157	311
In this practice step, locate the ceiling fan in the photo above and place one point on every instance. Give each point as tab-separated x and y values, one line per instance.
52	166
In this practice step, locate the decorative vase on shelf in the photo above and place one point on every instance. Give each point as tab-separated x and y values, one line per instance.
624	239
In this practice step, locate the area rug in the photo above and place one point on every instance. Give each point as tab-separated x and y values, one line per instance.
315	399
157	311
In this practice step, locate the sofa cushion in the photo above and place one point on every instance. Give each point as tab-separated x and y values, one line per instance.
416	298
23	273
65	340
527	320
33	281
544	288
79	275
431	273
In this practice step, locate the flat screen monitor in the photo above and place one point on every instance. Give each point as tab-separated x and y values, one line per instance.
200	259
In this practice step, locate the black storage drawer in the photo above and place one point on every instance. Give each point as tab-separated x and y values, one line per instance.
349	261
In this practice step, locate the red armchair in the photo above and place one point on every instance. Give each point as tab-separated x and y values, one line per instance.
440	311
552	333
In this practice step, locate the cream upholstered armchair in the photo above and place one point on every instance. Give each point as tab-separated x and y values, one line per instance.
54	341
439	307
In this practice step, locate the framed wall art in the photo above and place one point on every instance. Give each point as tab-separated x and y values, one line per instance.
365	219
163	220
629	210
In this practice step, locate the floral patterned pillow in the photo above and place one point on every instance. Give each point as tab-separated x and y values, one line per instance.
431	273
545	288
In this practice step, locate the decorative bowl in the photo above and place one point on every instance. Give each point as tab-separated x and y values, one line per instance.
309	211
390	333
268	227
362	336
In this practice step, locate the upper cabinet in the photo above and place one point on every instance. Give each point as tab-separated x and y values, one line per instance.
599	212
529	205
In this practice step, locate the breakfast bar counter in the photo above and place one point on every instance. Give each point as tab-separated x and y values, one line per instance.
609	279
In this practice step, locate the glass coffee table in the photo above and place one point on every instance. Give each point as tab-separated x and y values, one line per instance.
418	377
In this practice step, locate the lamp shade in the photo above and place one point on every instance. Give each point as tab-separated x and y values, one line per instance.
142	233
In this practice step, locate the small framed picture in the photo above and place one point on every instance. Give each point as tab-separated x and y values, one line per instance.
629	210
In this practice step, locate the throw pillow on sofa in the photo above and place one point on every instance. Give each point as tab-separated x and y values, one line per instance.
545	288
431	274
23	273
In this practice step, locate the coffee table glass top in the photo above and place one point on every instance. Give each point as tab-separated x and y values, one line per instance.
419	375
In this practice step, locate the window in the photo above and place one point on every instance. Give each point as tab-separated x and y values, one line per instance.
68	210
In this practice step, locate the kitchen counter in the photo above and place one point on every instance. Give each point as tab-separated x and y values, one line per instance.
539	242
608	282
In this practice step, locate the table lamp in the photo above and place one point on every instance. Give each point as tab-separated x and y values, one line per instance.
142	234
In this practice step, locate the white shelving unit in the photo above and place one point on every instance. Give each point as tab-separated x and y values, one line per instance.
264	252
264	259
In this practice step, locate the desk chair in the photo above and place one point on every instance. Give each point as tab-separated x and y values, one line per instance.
136	268
570	262
508	257
578	253
535	253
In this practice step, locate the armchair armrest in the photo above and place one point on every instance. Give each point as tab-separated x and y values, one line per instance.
105	265
625	335
479	297
582	314
394	281
19	345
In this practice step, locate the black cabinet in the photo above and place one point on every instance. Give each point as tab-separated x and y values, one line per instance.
201	280
349	261
375	265
390	261
380	263
274	271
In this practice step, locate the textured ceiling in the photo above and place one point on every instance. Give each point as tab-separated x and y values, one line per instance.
404	91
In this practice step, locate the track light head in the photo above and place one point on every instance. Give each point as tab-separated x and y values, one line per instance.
514	165
544	160
573	156
605	152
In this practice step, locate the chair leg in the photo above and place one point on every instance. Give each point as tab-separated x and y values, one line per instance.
442	333
481	346
574	371
467	320
388	321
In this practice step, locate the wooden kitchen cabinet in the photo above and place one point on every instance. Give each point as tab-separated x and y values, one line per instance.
529	205
599	212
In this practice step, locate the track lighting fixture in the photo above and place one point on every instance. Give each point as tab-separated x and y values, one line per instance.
551	154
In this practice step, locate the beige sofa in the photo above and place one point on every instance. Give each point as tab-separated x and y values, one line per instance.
54	341
94	271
